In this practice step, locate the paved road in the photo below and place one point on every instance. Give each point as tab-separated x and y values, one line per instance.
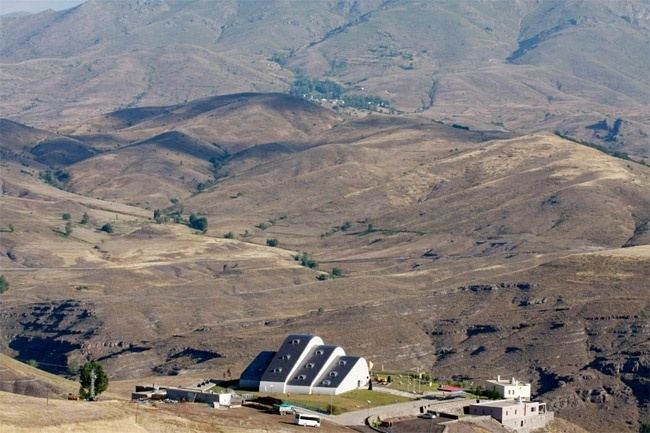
398	409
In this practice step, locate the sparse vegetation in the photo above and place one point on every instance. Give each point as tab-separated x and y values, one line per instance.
4	284
306	260
487	393
611	152
108	228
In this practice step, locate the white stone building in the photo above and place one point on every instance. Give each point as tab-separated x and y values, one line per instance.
305	365
510	389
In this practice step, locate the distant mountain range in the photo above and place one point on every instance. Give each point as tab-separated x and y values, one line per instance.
524	66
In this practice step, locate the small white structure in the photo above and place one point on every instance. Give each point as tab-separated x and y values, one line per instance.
511	389
305	365
521	416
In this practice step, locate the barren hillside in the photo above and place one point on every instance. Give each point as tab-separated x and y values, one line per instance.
573	66
460	251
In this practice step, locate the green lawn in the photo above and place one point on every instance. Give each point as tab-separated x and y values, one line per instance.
353	400
402	382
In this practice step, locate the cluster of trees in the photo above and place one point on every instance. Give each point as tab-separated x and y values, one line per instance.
56	178
195	221
306	88
306	260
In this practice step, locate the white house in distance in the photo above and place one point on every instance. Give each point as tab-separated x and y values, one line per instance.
304	364
511	389
521	416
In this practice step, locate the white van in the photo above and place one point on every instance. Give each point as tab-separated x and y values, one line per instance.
307	420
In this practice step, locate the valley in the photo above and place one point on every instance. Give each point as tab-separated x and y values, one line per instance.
456	188
458	251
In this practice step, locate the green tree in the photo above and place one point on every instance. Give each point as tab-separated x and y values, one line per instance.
65	216
272	242
68	229
85	379
198	222
84	218
108	228
158	216
4	284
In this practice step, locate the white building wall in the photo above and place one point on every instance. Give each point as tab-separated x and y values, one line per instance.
510	390
357	377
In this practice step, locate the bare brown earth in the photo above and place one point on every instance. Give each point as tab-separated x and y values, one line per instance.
466	254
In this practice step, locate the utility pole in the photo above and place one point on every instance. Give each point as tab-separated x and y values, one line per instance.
93	376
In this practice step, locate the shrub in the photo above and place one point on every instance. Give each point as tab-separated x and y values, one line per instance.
337	272
65	216
272	242
68	229
229	235
346	225
84	218
4	284
306	260
322	277
158	216
108	228
198	222
262	226
334	409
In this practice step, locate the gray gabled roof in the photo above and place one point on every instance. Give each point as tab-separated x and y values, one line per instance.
257	367
339	368
286	357
312	365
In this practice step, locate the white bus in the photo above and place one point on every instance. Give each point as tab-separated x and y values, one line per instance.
307	420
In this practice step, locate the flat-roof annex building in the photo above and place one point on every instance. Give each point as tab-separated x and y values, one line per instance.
521	416
304	364
510	389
